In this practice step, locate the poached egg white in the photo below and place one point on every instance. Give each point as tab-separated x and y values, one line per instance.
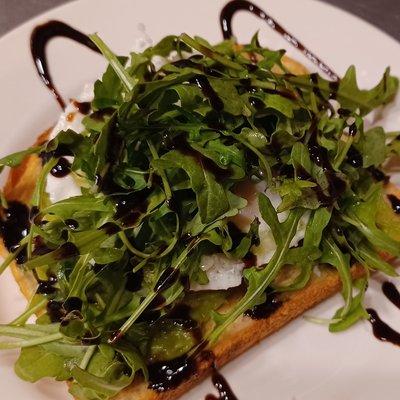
223	272
62	188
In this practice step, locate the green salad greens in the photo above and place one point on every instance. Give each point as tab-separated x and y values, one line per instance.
159	163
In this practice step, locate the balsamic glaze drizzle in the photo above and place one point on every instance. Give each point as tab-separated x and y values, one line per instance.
203	83
47	286
353	129
354	158
392	293
395	202
266	309
72	224
170	374
43	34
14	226
134	280
381	329
234	6
65	251
55	310
83	107
378	175
110	228
167	279
224	390
73	304
61	169
40	37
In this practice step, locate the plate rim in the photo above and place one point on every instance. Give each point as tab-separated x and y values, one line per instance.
11	35
70	4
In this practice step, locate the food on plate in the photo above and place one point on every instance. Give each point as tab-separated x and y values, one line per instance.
192	202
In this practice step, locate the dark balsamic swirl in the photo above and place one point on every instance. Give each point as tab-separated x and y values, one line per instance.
61	169
381	329
167	375
391	293
14	226
234	6
41	36
395	202
224	390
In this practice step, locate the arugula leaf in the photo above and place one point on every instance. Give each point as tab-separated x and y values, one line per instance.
258	280
319	220
280	104
15	159
381	94
128	82
362	215
333	256
298	193
97	384
211	197
349	95
303	258
35	363
227	92
269	215
372	146
251	238
371	259
68	207
356	311
255	138
300	157
196	226
203	47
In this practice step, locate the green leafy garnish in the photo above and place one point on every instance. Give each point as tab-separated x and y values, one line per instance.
170	163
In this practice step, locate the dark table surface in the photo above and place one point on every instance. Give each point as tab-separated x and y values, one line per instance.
383	13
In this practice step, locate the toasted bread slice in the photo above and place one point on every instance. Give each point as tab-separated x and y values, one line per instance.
241	335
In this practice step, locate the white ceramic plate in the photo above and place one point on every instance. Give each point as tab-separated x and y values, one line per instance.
302	361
